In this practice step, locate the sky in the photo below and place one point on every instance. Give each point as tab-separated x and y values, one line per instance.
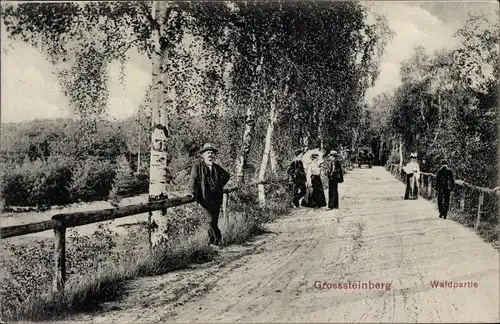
30	90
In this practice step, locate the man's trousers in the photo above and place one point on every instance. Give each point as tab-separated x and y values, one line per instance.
299	190
333	194
211	214
443	197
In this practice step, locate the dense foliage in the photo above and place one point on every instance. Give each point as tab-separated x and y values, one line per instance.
224	64
447	105
45	162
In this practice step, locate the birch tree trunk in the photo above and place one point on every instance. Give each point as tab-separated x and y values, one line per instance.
354	138
305	139
320	133
247	143
440	118
272	159
139	159
393	147
267	150
272	154
249	125
159	127
400	152
380	150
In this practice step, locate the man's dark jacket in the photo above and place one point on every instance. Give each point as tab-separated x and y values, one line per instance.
207	187
296	171
335	172
444	179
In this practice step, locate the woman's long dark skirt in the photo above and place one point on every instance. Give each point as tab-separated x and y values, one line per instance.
315	196
408	191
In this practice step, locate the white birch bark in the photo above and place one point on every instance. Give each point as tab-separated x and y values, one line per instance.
400	152
320	133
159	128
267	150
440	119
272	160
272	154
249	125
247	143
354	138
305	139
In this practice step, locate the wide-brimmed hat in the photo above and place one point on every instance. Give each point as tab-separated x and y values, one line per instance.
334	153
208	147
413	155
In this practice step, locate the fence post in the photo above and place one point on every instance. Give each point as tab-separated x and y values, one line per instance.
479	209
224	208
59	257
429	186
462	199
150	229
420	184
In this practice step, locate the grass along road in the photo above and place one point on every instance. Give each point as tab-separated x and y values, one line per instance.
376	236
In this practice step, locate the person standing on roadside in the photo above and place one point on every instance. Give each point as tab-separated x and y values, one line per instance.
297	178
412	170
207	183
445	183
315	194
335	176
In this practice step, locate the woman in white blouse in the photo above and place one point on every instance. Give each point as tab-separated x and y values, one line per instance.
315	196
412	170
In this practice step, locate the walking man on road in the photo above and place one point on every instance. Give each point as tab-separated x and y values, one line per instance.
445	183
207	183
297	178
335	176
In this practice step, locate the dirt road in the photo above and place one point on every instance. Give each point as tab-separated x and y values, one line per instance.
375	238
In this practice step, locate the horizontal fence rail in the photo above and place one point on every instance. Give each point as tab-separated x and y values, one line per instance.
428	178
18	230
61	221
89	217
100	215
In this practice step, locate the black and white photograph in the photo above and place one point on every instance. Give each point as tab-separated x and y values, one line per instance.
270	161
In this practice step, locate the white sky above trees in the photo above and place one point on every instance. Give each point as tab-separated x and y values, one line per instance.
30	90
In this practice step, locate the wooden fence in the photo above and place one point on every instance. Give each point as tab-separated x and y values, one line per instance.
427	190
60	222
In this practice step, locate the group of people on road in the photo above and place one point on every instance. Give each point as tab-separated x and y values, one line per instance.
305	180
208	179
444	183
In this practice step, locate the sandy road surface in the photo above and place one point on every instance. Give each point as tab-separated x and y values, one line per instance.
375	236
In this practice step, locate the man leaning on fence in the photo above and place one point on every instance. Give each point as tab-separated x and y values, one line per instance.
207	183
445	183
